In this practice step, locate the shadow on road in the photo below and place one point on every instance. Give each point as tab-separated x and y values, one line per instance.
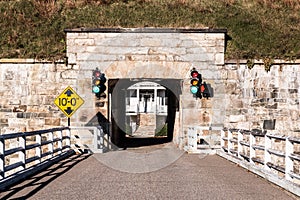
139	142
30	186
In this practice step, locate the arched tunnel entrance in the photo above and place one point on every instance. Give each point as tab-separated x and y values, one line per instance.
118	101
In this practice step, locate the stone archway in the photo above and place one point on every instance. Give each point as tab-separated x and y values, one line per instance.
117	89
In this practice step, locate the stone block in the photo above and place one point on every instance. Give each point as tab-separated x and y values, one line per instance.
205	57
36	122
151	42
210	74
70	74
17	122
52	121
72	57
77	35
84	41
219	58
236	118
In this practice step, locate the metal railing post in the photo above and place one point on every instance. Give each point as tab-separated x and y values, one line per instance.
101	139
240	147
50	145
59	142
222	140
252	150
38	149
68	139
289	164
2	158
267	155
229	142
100	135
95	130
22	153
192	139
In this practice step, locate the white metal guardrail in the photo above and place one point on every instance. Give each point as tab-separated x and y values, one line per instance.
24	151
273	153
196	135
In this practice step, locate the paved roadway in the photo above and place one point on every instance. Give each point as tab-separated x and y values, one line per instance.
113	176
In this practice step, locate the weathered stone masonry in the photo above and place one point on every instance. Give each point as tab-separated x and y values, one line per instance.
155	54
27	90
244	98
257	99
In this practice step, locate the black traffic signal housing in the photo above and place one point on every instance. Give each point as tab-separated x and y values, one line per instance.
196	80
207	90
199	89
98	83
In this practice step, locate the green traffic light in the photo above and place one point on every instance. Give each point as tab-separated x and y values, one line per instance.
96	89
194	89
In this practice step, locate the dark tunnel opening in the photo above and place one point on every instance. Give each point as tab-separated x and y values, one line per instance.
117	104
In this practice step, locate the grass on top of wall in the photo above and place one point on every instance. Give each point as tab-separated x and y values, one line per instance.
258	28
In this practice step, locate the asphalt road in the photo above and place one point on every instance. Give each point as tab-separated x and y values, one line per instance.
103	176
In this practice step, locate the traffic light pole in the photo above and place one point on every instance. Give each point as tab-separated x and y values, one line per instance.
69	121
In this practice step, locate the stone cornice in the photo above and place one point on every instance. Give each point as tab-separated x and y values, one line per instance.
146	30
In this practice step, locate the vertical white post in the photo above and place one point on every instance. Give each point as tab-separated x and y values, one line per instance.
68	139
59	143
139	101
38	149
230	144
289	164
22	154
268	144
252	150
101	139
222	139
192	139
155	100
95	130
2	158
50	145
240	147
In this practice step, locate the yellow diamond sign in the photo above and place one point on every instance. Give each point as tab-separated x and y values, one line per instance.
68	101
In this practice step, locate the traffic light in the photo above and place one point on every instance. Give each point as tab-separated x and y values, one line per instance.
199	89
207	90
98	83
196	80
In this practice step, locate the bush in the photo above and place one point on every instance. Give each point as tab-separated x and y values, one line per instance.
162	132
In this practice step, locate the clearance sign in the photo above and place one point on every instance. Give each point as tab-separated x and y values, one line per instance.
68	101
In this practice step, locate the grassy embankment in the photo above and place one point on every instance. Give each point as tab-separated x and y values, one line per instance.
259	28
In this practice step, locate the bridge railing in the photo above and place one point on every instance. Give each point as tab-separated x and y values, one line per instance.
20	151
271	151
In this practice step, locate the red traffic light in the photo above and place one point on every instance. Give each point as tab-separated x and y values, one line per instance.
96	73
202	88
194	74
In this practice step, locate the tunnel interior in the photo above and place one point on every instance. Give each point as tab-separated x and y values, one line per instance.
118	97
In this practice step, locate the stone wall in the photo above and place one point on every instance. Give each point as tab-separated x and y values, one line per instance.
260	99
252	98
243	98
28	89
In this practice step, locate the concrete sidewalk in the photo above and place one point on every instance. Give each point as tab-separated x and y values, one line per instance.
191	176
